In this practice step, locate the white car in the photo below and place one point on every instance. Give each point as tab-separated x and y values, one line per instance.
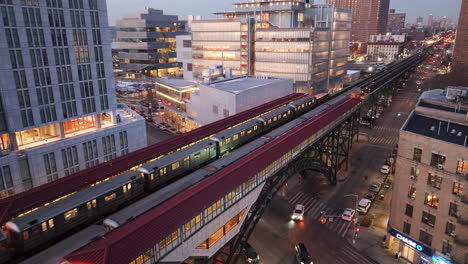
348	214
298	213
364	205
385	169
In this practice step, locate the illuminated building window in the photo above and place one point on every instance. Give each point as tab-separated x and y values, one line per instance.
78	124
412	192
220	233
431	200
457	188
434	180
462	167
37	134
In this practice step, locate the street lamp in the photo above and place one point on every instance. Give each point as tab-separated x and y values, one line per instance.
355	212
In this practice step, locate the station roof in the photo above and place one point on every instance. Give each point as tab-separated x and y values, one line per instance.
124	244
15	205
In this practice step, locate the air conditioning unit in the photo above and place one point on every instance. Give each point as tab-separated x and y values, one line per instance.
413	177
412	197
462	174
440	166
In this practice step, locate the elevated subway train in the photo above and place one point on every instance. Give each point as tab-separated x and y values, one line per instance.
36	228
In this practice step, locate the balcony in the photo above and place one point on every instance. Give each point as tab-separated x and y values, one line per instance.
461	241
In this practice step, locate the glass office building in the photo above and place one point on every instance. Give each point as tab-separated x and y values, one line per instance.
294	39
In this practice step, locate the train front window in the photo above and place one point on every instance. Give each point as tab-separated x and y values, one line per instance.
71	214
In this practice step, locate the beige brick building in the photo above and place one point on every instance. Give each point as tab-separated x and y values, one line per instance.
429	212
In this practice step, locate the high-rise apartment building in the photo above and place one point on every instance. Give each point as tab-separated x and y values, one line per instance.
58	111
419	21
296	40
369	17
460	52
429	210
430	19
146	43
396	22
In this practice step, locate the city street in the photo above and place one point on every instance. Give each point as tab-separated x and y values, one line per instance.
275	235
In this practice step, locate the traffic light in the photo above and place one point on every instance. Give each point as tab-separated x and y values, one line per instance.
323	220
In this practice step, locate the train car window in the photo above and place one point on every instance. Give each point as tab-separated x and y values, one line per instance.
110	197
51	222
235	137
94	203
197	155
255	127
152	176
71	214
274	118
289	112
124	188
243	132
175	165
129	186
228	140
88	205
162	171
44	226
284	115
25	235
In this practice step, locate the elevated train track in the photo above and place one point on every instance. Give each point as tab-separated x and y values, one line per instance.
373	85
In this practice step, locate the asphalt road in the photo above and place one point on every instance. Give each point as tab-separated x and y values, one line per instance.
155	135
275	235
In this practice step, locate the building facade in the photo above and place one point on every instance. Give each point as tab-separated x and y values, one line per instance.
58	111
460	52
313	43
146	43
396	22
184	55
429	209
369	17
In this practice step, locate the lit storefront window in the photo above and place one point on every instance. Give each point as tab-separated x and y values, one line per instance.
4	142
79	124
37	134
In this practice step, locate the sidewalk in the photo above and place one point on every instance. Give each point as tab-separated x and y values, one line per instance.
369	242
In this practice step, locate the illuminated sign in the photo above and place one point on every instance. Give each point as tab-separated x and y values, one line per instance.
440	259
412	243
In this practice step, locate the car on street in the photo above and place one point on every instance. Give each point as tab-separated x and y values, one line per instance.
375	187
348	214
364	205
162	127
385	169
298	213
370	195
250	254
302	255
418	83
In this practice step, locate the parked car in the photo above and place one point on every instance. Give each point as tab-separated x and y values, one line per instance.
251	256
348	214
385	169
375	187
162	127
364	205
302	255
298	213
370	196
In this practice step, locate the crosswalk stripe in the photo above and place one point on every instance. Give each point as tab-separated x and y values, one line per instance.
344	229
308	203
296	198
315	211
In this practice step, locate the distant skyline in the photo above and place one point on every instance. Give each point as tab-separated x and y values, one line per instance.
205	8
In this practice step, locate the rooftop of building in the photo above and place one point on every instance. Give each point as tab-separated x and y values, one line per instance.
176	83
240	84
445	99
438	129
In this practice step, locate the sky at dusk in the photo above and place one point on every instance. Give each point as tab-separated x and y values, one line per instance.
182	8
